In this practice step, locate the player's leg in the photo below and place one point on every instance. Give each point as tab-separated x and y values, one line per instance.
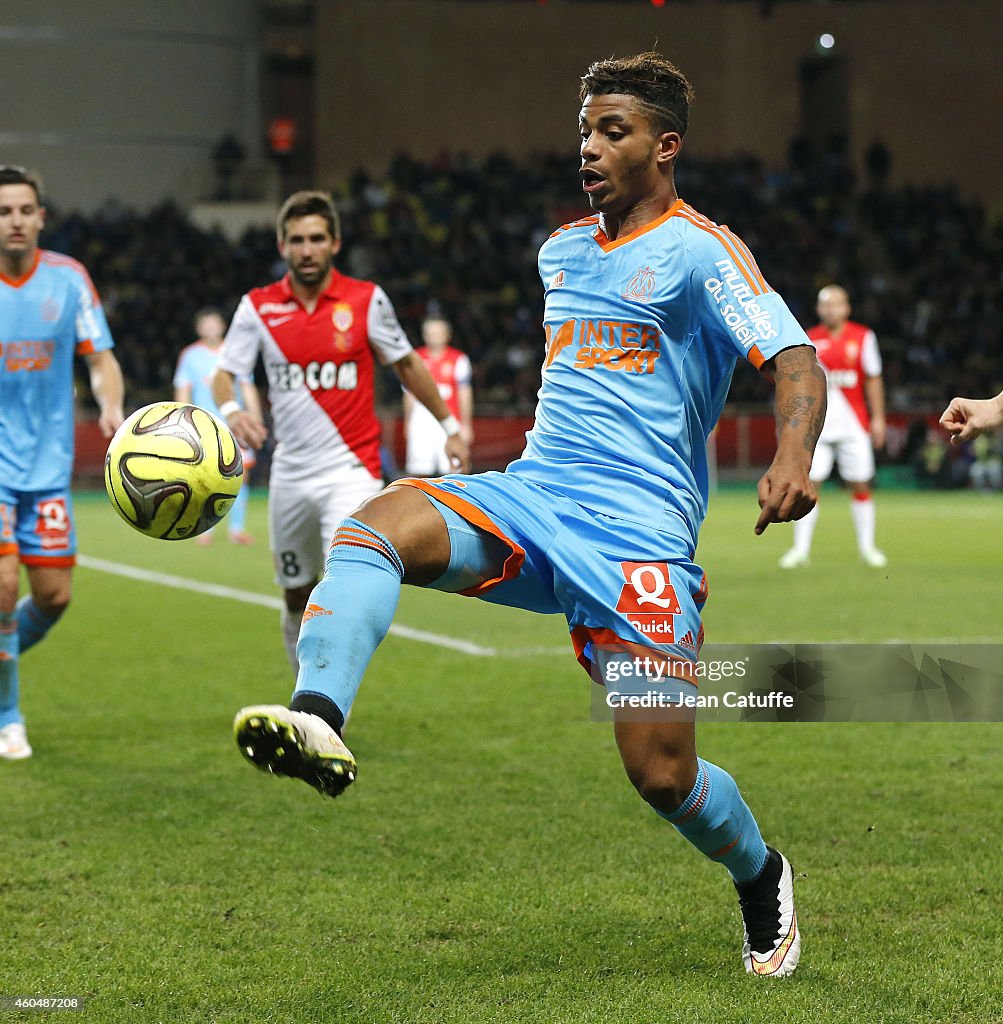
856	467
294	511
303	521
698	797
10	713
701	800
863	515
10	572
50	592
616	608
799	554
395	535
402	535
32	617
236	519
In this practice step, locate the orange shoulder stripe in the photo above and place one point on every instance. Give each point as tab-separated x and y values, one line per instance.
59	259
756	283
594	219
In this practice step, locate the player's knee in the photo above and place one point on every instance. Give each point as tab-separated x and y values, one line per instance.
406	518
663	782
8	593
52	602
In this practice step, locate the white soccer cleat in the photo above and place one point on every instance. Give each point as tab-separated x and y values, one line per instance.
874	558
772	942
14	745
794	559
297	744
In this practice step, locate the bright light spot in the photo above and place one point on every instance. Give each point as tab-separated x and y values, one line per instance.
827	41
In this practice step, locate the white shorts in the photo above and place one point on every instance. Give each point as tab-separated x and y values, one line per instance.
426	448
302	518
853	454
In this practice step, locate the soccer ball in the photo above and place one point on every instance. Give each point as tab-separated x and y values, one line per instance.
172	470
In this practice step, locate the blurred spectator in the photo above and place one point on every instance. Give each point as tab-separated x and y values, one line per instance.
986	469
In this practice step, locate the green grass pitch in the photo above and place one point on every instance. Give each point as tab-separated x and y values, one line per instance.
492	862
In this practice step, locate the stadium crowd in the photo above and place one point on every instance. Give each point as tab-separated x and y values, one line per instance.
459	236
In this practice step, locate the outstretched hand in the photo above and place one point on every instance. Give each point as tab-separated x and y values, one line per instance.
966	418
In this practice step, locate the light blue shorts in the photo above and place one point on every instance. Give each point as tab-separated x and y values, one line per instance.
619	584
38	527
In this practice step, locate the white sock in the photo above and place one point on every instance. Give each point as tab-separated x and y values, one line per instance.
804	530
290	634
862	511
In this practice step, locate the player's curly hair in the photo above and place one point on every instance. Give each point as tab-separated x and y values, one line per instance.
663	91
306	204
12	174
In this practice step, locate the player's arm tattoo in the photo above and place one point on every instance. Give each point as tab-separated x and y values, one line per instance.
800	402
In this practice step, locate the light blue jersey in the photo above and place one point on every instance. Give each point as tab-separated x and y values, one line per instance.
196	365
195	368
46	317
643	334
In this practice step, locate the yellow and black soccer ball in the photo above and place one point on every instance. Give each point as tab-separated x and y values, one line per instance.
172	470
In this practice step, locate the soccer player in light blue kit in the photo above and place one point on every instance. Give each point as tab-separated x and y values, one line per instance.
192	385
49	312
648	306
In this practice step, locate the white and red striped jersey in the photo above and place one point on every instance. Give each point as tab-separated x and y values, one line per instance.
847	359
450	369
320	370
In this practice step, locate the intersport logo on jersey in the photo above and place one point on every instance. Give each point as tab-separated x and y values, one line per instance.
738	305
612	345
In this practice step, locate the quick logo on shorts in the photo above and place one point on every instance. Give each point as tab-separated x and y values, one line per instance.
606	345
53	524
648	599
736	302
27	355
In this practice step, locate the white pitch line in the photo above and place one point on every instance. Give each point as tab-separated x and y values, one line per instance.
420	636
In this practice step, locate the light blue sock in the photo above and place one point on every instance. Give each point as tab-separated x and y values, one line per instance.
718	822
32	623
237	516
348	615
9	647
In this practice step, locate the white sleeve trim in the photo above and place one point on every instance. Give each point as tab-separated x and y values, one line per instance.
242	343
870	357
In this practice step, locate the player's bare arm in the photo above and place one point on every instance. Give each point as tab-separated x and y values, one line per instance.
966	418
252	400
785	491
465	395
414	377
108	389
247	426
407	404
874	395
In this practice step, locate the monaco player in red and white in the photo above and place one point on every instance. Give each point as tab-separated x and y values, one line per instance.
319	334
450	368
854	422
